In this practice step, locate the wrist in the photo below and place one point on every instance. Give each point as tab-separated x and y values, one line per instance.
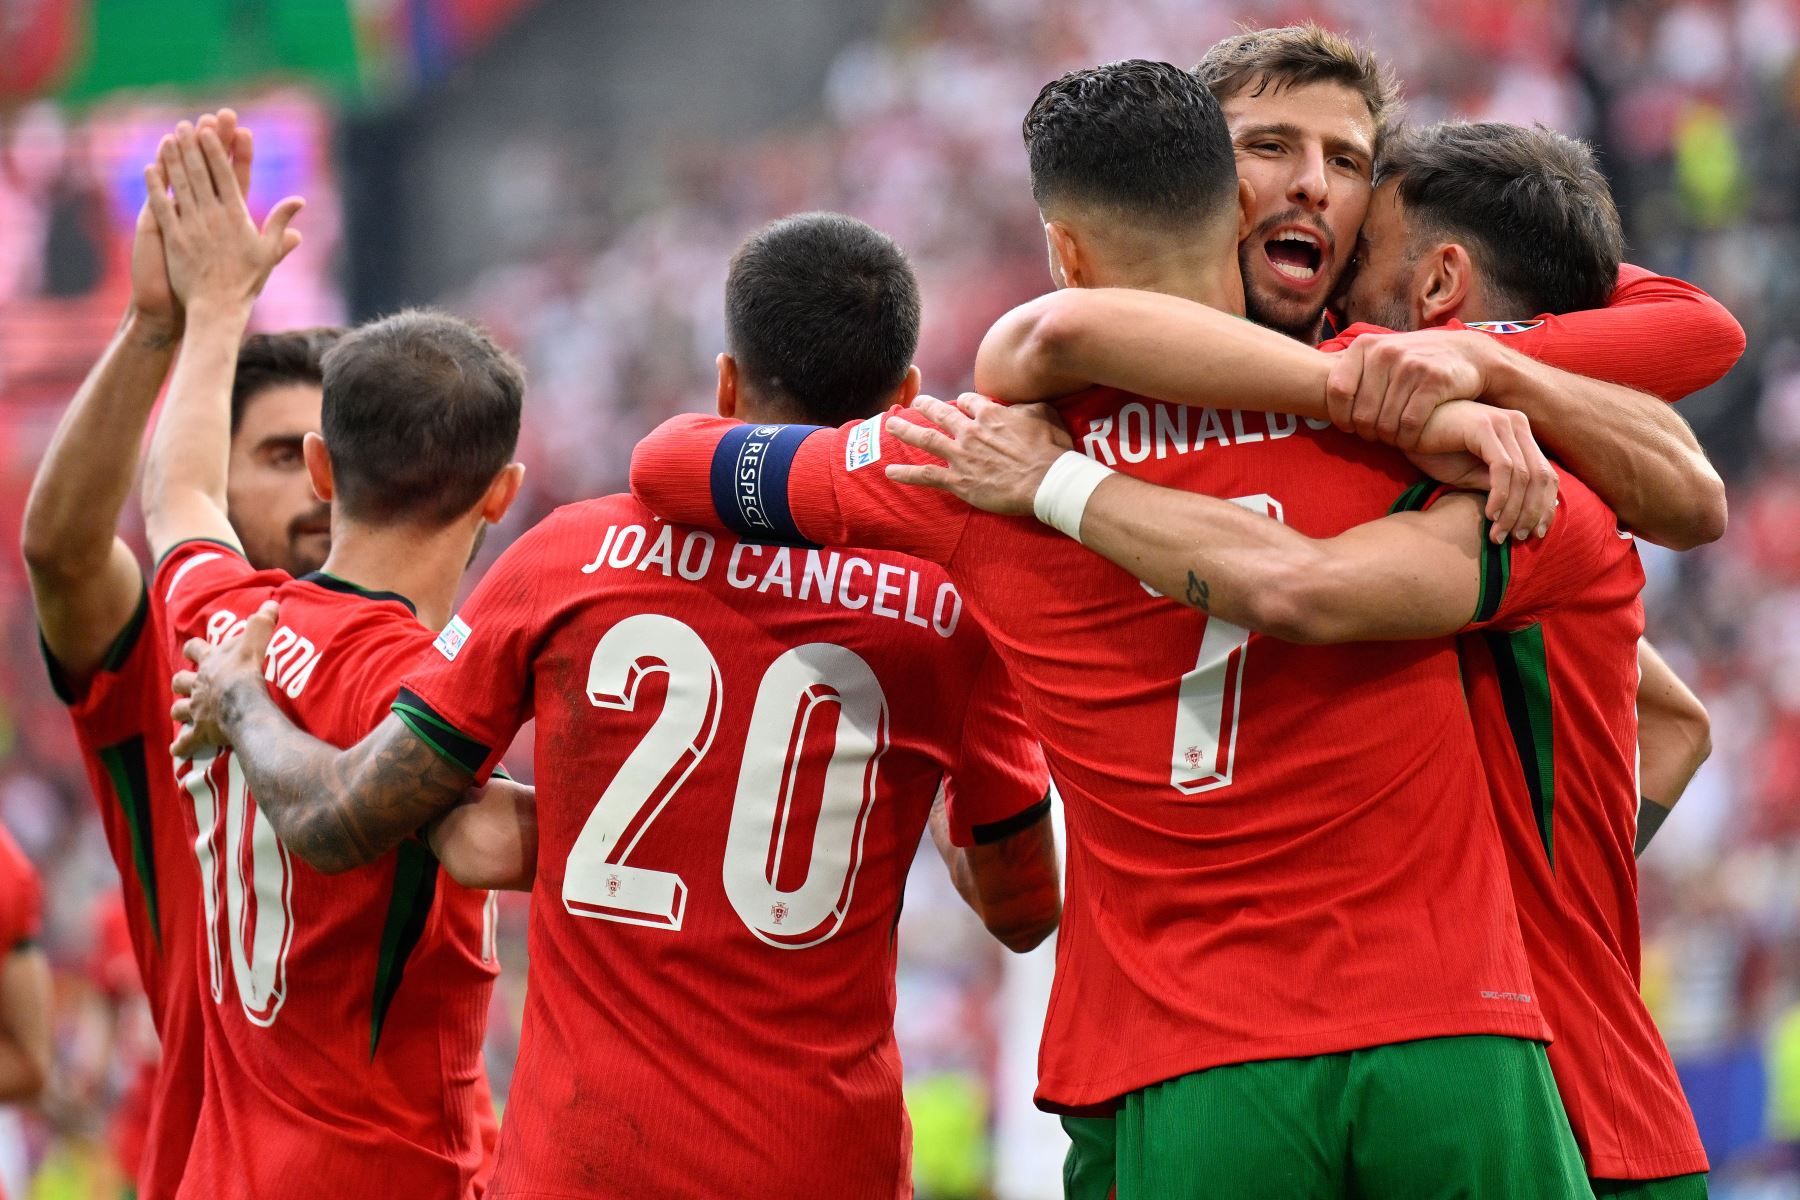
221	310
238	700
1063	493
153	331
1506	375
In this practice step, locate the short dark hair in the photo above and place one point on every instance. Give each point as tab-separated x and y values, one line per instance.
1255	60
822	315
421	412
1144	138
267	360
1530	205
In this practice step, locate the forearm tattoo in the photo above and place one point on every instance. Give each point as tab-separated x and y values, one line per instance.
338	809
1199	595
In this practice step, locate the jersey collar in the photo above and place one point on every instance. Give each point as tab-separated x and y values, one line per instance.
333	583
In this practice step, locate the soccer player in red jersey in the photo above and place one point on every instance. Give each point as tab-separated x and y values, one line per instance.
1249	897
738	749
1554	677
343	1016
108	666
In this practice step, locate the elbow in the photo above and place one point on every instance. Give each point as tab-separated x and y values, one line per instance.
1696	727
60	555
1295	600
1711	518
1051	341
1700	517
1025	933
321	845
1039	341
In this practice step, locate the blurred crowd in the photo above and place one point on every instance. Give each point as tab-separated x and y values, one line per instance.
1695	108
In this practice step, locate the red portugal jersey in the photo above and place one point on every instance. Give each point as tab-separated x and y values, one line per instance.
1552	678
344	1014
737	749
121	719
1274	850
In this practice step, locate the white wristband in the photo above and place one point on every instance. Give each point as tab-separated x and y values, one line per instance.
1063	495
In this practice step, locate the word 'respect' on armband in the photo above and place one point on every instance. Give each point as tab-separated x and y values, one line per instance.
750	481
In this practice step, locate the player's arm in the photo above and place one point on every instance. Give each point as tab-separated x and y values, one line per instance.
1180	352
334	809
218	262
1011	882
1152	345
1674	738
1658	335
1633	450
25	1043
794	484
490	840
85	581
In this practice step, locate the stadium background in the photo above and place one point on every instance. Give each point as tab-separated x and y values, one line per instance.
574	173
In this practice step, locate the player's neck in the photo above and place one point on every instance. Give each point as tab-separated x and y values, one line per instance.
1214	284
425	566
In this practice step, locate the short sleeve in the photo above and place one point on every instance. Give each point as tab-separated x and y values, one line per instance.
471	690
1656	334
797	484
192	575
1521	582
999	783
111	696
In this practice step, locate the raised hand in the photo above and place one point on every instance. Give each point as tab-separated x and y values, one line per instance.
994	455
206	693
151	296
214	253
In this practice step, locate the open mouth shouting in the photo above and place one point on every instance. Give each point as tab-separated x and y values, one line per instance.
1296	253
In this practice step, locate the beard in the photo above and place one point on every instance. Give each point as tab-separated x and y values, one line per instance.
1284	314
308	542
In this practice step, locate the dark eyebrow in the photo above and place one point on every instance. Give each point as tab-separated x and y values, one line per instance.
1277	129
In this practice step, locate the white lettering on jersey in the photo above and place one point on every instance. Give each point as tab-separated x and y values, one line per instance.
289	661
832	577
290	658
1138	431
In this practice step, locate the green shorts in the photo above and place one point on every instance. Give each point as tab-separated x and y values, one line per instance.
1673	1187
1090	1165
1474	1117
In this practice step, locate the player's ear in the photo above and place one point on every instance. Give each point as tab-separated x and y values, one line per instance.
1246	209
728	381
1067	267
501	492
318	466
909	387
1445	284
